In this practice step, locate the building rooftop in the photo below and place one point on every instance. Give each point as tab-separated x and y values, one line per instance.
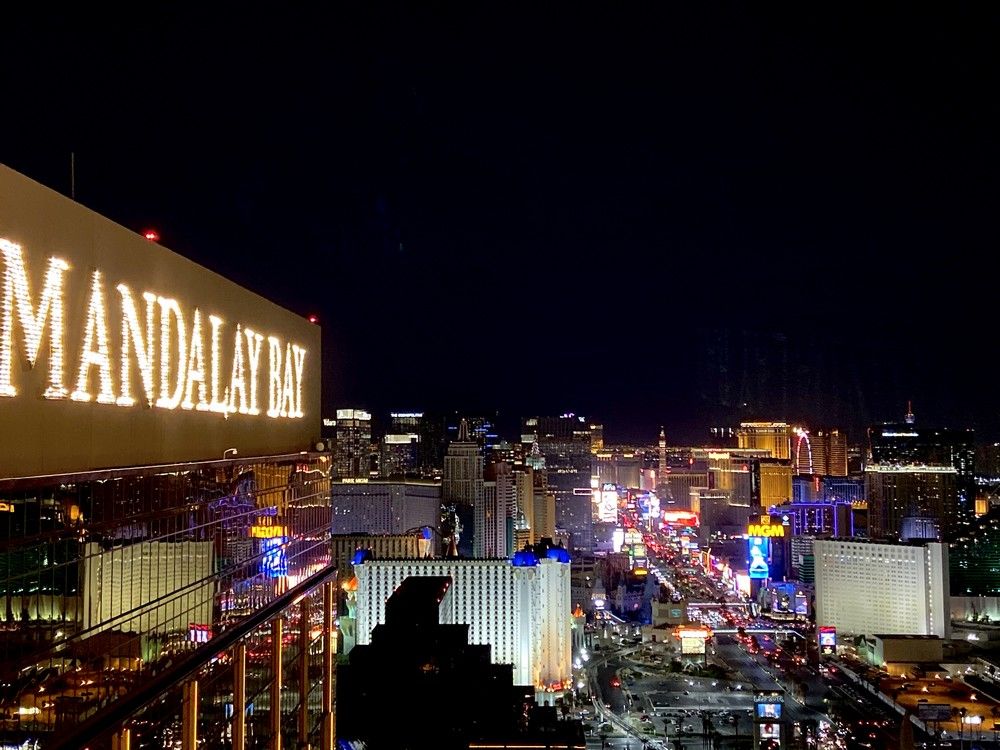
883	542
909	469
524	558
364	480
430	560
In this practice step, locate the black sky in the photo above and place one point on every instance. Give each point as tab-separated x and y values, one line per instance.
654	216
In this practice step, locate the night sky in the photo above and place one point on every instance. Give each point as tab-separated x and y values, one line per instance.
684	217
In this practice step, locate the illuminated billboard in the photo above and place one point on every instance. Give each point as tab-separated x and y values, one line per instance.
274	562
115	351
693	640
606	500
649	505
680	518
758	555
934	711
801	603
768	710
637	553
769	731
767	713
827	640
743	584
617	539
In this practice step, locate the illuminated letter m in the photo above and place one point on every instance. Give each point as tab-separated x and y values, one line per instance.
16	295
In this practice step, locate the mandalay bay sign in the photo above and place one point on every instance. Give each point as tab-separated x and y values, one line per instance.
189	371
115	351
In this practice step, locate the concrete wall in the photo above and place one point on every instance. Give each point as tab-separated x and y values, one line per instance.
909	650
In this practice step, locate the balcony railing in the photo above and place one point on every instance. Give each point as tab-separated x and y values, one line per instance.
125	596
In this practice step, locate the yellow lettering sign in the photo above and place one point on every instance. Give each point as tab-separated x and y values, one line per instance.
267	532
17	297
186	380
761	529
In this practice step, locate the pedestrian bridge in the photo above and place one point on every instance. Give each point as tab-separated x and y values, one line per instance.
753	631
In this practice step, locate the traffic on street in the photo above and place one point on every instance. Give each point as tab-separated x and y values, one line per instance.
726	674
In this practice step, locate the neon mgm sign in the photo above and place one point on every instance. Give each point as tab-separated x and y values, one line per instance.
765	528
178	354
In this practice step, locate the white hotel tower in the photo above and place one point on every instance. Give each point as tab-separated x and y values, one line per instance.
520	607
869	588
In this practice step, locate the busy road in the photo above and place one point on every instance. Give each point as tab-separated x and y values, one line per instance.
646	696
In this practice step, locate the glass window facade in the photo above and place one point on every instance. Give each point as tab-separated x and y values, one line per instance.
105	577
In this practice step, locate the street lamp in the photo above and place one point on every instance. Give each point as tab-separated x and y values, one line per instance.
225	453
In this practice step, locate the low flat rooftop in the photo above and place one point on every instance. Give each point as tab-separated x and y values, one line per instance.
904	637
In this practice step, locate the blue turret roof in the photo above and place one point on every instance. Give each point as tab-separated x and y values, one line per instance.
362	556
559	554
524	558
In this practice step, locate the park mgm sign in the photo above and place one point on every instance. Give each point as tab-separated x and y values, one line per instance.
178	353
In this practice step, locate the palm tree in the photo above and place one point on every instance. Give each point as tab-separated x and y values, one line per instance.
705	722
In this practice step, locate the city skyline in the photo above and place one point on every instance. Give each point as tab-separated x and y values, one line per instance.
680	212
475	377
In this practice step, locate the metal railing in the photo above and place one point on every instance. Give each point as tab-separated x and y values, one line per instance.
114	589
115	719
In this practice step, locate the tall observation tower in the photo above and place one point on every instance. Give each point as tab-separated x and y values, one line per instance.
662	472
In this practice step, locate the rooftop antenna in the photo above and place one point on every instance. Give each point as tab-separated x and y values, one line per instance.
72	175
910	419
